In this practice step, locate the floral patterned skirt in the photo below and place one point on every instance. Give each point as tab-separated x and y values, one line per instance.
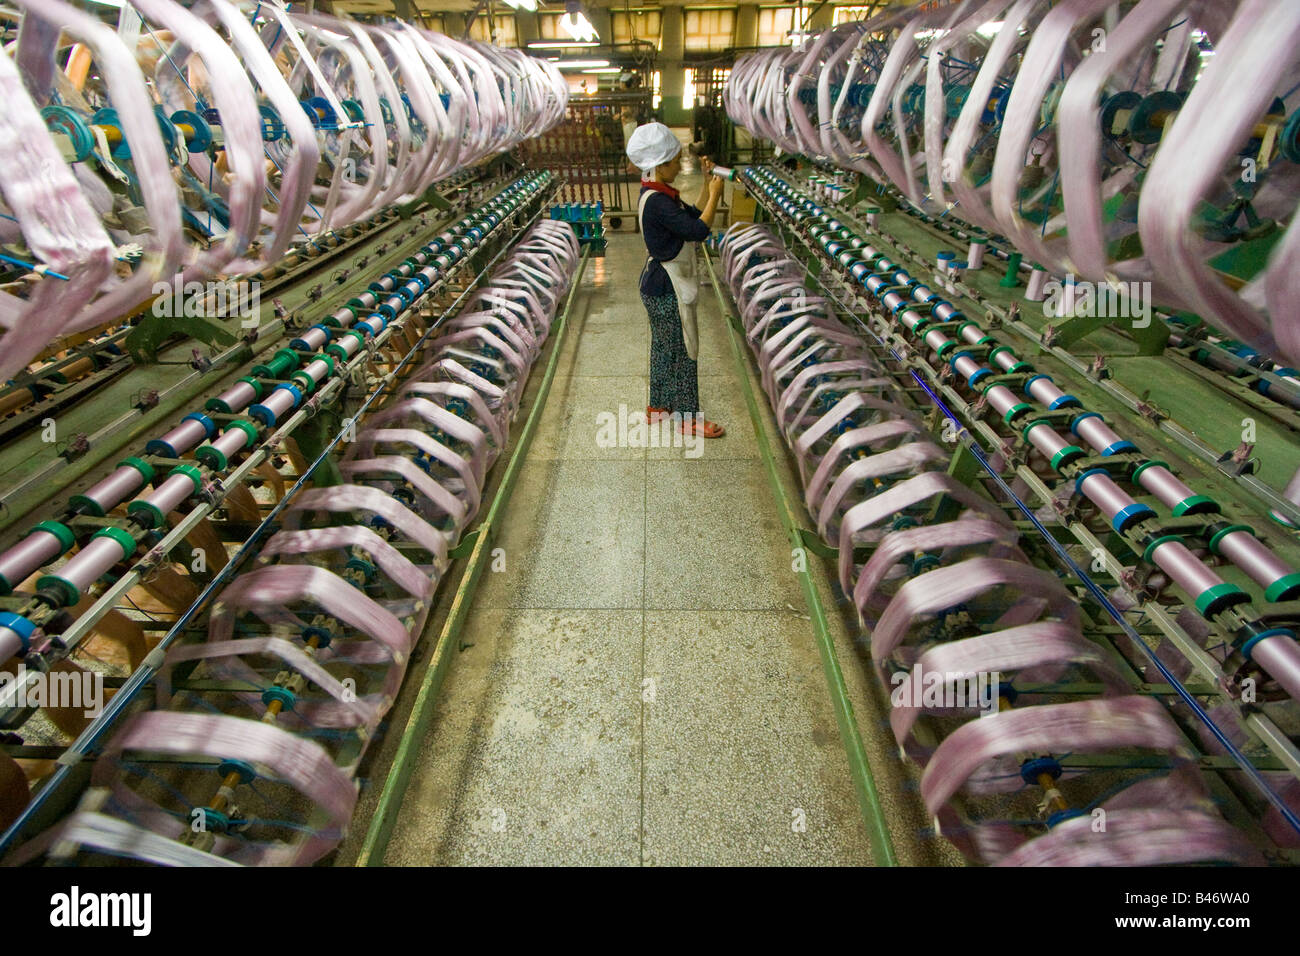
673	378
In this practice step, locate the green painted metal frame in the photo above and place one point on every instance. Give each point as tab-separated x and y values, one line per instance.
864	782
478	546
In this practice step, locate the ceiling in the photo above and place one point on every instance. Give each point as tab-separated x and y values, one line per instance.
557	6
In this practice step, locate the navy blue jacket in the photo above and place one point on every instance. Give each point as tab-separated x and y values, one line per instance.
667	225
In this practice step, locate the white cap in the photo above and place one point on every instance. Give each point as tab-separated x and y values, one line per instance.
650	145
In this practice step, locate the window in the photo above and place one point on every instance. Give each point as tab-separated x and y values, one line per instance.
504	24
548	27
852	14
774	24
655	99
638	25
709	30
703	82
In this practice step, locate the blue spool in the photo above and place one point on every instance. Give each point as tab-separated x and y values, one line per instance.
1074	422
1112	105
108	117
19	625
323	637
320	112
272	126
1060	816
201	137
209	426
286	698
69	122
171	135
1249	646
1128	515
1031	770
245	770
1290	142
996	108
1078	482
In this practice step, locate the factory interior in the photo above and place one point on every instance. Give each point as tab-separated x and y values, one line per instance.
344	521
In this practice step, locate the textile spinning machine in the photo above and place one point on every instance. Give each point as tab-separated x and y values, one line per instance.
1021	291
272	294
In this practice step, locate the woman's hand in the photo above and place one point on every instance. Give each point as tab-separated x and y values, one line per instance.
715	186
706	165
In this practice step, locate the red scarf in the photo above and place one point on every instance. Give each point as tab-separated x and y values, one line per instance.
660	188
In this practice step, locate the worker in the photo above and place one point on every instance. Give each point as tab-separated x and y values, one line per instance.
669	286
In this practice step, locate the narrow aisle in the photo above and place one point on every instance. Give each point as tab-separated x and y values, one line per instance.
638	684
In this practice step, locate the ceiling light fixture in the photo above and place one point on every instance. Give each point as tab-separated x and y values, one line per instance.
575	22
562	44
579	64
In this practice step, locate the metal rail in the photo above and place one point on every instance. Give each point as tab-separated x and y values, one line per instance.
480	542
864	781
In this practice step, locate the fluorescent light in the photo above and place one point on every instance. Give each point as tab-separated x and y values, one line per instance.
578	26
530	5
579	64
604	69
575	22
561	44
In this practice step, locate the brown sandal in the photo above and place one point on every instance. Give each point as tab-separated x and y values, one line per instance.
699	426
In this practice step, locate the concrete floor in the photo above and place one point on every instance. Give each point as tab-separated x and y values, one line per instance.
639	684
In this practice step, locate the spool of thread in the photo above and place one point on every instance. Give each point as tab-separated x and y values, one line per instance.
15	632
239	435
45	542
873	217
1280	658
183	481
129	476
101	552
975	255
944	260
236	397
281	399
1037	280
193	429
1292	494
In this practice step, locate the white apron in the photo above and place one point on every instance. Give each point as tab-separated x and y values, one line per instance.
681	273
